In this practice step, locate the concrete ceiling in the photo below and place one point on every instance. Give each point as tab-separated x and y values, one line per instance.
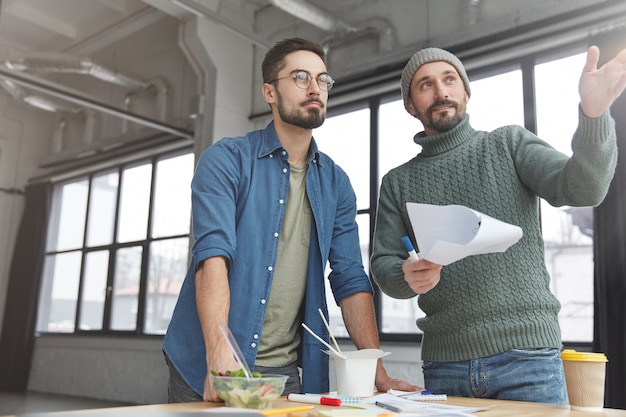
365	26
361	36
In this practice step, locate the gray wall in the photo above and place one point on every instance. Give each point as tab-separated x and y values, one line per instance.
130	370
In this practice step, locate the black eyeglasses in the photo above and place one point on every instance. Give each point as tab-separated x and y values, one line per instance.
303	80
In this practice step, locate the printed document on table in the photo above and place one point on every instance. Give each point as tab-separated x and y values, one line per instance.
446	234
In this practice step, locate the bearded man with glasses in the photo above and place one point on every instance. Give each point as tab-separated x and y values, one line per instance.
269	212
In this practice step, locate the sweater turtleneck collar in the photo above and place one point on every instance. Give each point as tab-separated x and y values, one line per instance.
437	144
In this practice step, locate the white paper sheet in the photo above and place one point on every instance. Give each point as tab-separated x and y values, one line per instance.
406	408
446	234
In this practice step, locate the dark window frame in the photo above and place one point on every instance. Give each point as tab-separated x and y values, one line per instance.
114	246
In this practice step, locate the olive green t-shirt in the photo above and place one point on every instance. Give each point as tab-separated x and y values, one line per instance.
281	337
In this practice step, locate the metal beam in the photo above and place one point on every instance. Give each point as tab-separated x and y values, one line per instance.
73	96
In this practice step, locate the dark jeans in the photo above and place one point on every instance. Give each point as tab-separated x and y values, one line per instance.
293	384
178	391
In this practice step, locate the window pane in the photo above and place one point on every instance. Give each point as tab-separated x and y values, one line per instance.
67	220
126	288
168	266
172	198
363	221
399	315
335	320
135	199
346	139
93	291
102	209
396	131
485	106
567	231
59	293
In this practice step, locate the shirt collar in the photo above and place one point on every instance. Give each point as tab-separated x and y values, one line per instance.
271	144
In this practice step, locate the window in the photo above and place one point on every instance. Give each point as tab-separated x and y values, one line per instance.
567	231
498	99
118	239
348	135
117	248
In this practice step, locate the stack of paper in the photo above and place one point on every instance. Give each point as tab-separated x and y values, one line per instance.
446	234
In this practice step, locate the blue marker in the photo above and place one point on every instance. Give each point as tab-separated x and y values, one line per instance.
409	247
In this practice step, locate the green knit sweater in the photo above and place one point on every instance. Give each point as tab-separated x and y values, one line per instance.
492	303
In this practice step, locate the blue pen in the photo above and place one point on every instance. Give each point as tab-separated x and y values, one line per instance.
409	247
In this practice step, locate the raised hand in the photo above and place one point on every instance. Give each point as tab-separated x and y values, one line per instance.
600	87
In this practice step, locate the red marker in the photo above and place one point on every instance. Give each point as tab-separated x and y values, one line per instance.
314	399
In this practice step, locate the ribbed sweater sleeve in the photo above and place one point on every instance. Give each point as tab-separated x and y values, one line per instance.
581	180
488	304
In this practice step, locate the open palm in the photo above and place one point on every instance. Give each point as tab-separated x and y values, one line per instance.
600	87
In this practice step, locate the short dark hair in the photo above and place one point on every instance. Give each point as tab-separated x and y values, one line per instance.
274	60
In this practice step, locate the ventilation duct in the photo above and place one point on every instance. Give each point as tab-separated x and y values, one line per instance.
314	16
377	26
339	29
472	12
70	64
74	65
73	96
42	103
156	84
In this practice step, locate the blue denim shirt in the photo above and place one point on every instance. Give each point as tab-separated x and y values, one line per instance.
239	192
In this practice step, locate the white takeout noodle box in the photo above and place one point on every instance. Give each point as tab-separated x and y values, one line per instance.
356	371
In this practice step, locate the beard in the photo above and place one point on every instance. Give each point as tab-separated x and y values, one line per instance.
311	120
445	121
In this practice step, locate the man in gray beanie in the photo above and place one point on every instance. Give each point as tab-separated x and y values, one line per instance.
425	56
454	72
491	328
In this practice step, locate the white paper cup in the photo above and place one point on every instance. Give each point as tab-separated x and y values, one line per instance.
584	376
356	373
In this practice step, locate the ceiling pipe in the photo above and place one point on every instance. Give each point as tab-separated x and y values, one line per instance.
62	63
340	29
155	85
377	26
472	12
204	12
314	16
39	102
64	93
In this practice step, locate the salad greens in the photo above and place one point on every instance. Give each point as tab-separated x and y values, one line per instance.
238	373
238	391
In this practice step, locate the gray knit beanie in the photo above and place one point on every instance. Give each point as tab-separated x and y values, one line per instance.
425	56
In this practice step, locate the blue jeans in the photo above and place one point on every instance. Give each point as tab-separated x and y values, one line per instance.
524	375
